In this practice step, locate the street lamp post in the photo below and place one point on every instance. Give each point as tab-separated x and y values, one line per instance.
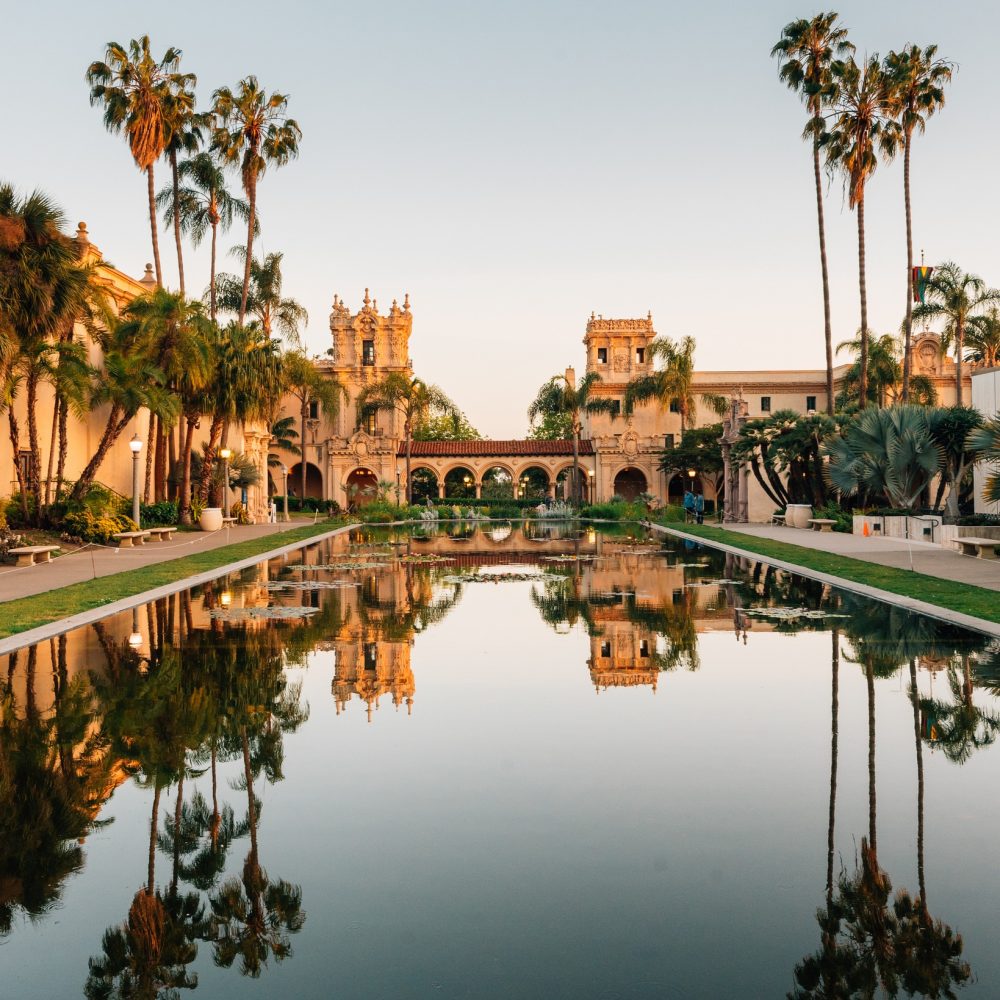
591	491
136	446
225	454
284	476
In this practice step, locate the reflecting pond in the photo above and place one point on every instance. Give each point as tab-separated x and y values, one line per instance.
502	761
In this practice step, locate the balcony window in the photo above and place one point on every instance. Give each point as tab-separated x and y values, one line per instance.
602	355
675	407
368	352
616	407
371	423
668	441
606	650
640	355
314	409
765	404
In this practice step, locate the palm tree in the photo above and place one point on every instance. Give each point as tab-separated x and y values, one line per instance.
185	136
885	374
203	204
959	299
672	384
983	339
284	436
860	130
807	50
916	80
127	382
264	301
563	395
255	132
413	399
986	441
136	91
173	332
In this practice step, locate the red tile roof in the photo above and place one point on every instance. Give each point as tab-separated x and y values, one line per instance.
498	449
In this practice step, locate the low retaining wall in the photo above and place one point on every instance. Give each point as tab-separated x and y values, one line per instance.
918	528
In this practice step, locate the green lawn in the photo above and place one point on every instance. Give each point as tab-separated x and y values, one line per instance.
30	612
962	597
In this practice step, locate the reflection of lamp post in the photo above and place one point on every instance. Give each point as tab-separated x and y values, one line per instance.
225	598
284	476
590	474
225	454
468	482
136	445
135	639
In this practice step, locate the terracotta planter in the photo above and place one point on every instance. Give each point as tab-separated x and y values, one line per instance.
211	519
797	514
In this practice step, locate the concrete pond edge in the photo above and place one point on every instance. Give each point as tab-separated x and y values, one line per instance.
875	593
52	629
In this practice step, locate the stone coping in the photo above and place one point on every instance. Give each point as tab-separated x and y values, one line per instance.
886	596
88	617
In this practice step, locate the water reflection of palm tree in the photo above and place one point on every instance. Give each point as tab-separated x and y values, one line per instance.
961	727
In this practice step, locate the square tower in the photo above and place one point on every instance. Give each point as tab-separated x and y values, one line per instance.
618	349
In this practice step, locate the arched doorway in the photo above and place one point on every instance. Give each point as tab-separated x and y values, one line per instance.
630	482
565	490
498	484
361	487
424	484
460	484
314	481
533	483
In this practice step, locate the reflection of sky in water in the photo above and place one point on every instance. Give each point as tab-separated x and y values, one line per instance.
529	830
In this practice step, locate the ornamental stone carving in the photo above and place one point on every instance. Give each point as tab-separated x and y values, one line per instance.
629	444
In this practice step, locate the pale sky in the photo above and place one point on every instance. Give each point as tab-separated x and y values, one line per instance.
516	165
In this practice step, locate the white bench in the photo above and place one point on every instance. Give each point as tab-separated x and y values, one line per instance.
778	519
228	522
981	548
822	523
28	555
126	539
162	534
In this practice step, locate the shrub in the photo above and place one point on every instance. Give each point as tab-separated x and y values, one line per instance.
615	510
98	528
153	515
501	510
845	521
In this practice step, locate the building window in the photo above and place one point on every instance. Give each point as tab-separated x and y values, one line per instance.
810	403
371	422
602	355
640	355
668	441
24	465
644	648
368	352
606	650
765	404
616	407
675	407
314	409
371	656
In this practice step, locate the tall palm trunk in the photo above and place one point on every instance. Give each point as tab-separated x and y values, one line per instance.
177	832
151	192
576	458
34	461
50	463
863	289
117	422
908	323
827	328
959	352
160	463
251	188
147	495
303	415
153	822
14	431
177	220
63	447
211	278
208	465
408	432
184	496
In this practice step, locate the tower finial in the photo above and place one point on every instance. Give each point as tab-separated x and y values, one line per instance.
367	299
406	302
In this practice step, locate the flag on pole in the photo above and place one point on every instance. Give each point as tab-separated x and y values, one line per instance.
921	275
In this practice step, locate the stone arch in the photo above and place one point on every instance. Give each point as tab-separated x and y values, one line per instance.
314	481
629	482
680	483
424	483
460	482
563	478
533	482
497	482
362	486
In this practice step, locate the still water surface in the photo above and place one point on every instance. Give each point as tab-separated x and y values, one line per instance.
502	762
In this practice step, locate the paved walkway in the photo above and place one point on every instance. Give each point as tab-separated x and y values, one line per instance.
924	557
95	561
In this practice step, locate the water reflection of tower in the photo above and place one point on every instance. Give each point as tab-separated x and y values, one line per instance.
372	646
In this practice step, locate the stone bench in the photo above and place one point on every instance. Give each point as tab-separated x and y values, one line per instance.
126	539
228	522
822	523
28	555
778	519
162	534
981	548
